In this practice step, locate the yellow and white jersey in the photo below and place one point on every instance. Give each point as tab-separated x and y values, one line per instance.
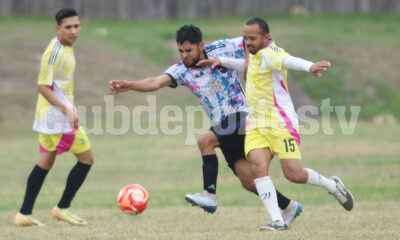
270	105
57	71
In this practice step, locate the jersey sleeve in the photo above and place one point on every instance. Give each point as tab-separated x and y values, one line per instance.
50	63
236	47
175	72
296	63
233	48
236	64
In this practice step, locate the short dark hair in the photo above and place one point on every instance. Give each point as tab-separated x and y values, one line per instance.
261	23
65	13
189	33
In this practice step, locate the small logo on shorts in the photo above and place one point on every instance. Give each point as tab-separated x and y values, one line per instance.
83	141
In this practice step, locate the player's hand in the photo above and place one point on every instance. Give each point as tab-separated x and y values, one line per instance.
213	62
319	66
73	118
117	86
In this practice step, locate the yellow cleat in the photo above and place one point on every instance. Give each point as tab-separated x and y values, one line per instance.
67	216
22	220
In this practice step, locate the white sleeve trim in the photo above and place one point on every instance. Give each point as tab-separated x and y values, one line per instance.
236	64
296	63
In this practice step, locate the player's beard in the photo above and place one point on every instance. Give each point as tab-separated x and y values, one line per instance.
195	61
256	48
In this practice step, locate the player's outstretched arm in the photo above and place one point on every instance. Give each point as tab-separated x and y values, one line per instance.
212	62
236	64
144	85
296	63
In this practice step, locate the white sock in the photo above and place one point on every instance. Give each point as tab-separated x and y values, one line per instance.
317	179
267	193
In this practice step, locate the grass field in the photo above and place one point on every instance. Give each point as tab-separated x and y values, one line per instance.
367	161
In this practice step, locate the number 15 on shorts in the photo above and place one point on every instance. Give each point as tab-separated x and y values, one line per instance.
289	145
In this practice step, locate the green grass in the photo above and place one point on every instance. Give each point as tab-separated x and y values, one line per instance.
367	162
360	47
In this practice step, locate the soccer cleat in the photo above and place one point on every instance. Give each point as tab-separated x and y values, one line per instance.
66	215
205	200
274	226
343	195
22	220
291	212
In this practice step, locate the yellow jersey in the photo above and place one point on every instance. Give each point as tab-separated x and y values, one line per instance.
57	71
268	99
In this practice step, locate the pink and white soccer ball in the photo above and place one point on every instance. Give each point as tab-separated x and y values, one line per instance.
133	199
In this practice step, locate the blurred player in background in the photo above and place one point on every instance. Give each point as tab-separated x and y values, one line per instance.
58	123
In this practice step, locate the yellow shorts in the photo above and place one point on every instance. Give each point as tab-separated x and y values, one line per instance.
284	146
75	142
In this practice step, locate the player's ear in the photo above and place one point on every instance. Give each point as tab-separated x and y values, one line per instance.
266	38
201	45
57	27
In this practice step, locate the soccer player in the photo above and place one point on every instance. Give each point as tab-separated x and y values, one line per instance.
272	127
58	123
220	94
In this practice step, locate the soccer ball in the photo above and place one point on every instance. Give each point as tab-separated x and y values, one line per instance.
133	199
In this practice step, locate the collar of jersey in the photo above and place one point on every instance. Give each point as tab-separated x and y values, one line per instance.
59	39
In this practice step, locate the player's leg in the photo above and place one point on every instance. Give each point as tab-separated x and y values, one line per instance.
290	208
259	154
33	186
295	173
232	146
207	199
76	177
243	172
260	159
288	150
207	142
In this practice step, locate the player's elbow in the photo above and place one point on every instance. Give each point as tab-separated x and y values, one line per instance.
42	88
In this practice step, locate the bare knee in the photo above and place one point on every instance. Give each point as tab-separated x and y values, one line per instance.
87	161
259	161
258	168
205	144
86	157
46	160
45	165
